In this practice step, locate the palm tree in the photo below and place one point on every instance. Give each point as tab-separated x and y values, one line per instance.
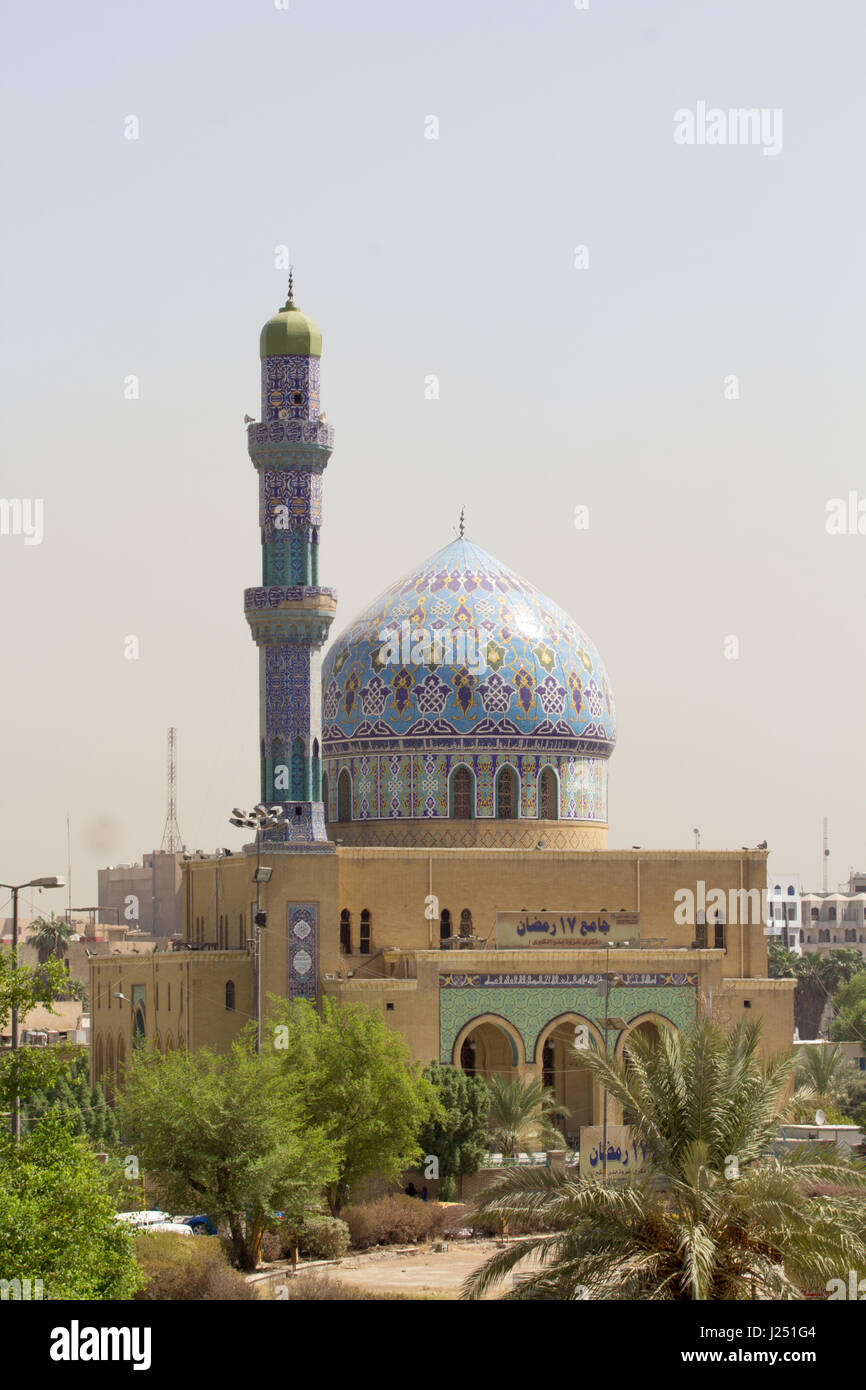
50	936
714	1217
520	1115
817	978
823	1074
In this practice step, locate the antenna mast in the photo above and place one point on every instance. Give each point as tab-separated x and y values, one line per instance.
825	860
171	838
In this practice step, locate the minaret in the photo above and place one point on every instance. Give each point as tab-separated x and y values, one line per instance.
289	614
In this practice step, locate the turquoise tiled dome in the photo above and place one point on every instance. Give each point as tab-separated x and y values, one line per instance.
539	683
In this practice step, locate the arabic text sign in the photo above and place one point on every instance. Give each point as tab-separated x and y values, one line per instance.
625	1154
571	927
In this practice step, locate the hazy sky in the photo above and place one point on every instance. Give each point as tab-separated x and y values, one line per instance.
602	386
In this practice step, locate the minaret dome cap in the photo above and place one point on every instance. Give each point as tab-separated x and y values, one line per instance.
290	334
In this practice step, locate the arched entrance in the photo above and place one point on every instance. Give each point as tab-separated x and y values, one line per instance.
558	1055
489	1046
648	1027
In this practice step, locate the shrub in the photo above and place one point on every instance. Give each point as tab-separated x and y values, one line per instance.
447	1188
324	1238
272	1247
180	1268
394	1220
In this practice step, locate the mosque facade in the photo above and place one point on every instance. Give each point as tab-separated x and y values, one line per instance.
442	853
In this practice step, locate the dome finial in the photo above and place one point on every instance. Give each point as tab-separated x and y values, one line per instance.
462	522
291	298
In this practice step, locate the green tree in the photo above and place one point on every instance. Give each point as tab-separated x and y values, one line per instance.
28	1069
823	1075
50	936
781	963
354	1081
818	976
459	1138
714	1217
849	1025
223	1134
520	1115
57	1218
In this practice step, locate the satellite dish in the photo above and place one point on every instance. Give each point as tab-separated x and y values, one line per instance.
820	1117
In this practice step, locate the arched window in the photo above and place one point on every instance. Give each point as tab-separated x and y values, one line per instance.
547	1065
814	914
316	794
462	794
298	770
230	994
325	793
365	932
344	793
831	914
549	795
466	922
506	794
346	931
790	890
445	931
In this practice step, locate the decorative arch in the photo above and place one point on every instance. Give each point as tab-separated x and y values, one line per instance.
518	1049
121	1056
325	790
570	1016
507	793
344	796
230	994
548	794
461	793
658	1019
99	1059
366	929
169	1044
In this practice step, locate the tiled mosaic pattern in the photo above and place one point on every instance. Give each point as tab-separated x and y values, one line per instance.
529	1008
416	785
543	683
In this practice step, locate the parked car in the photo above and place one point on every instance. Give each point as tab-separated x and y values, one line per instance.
177	1228
199	1225
143	1218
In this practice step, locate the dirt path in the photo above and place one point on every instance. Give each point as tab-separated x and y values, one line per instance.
413	1270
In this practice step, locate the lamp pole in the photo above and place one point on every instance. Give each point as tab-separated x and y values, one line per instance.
260	819
15	889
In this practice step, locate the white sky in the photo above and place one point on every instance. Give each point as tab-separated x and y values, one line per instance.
559	387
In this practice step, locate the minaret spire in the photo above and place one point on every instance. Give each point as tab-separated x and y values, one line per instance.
289	611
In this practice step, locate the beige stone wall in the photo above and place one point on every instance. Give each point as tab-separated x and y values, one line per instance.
400	977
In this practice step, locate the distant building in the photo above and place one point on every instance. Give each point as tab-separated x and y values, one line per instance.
835	920
145	895
784	917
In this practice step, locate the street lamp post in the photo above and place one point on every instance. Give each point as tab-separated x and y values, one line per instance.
607	1022
15	889
260	819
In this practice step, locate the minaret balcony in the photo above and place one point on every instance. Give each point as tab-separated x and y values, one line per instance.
294	444
297	613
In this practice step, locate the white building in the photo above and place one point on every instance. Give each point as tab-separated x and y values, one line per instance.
784	918
835	920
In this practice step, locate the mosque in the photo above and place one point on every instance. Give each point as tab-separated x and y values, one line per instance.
441	855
